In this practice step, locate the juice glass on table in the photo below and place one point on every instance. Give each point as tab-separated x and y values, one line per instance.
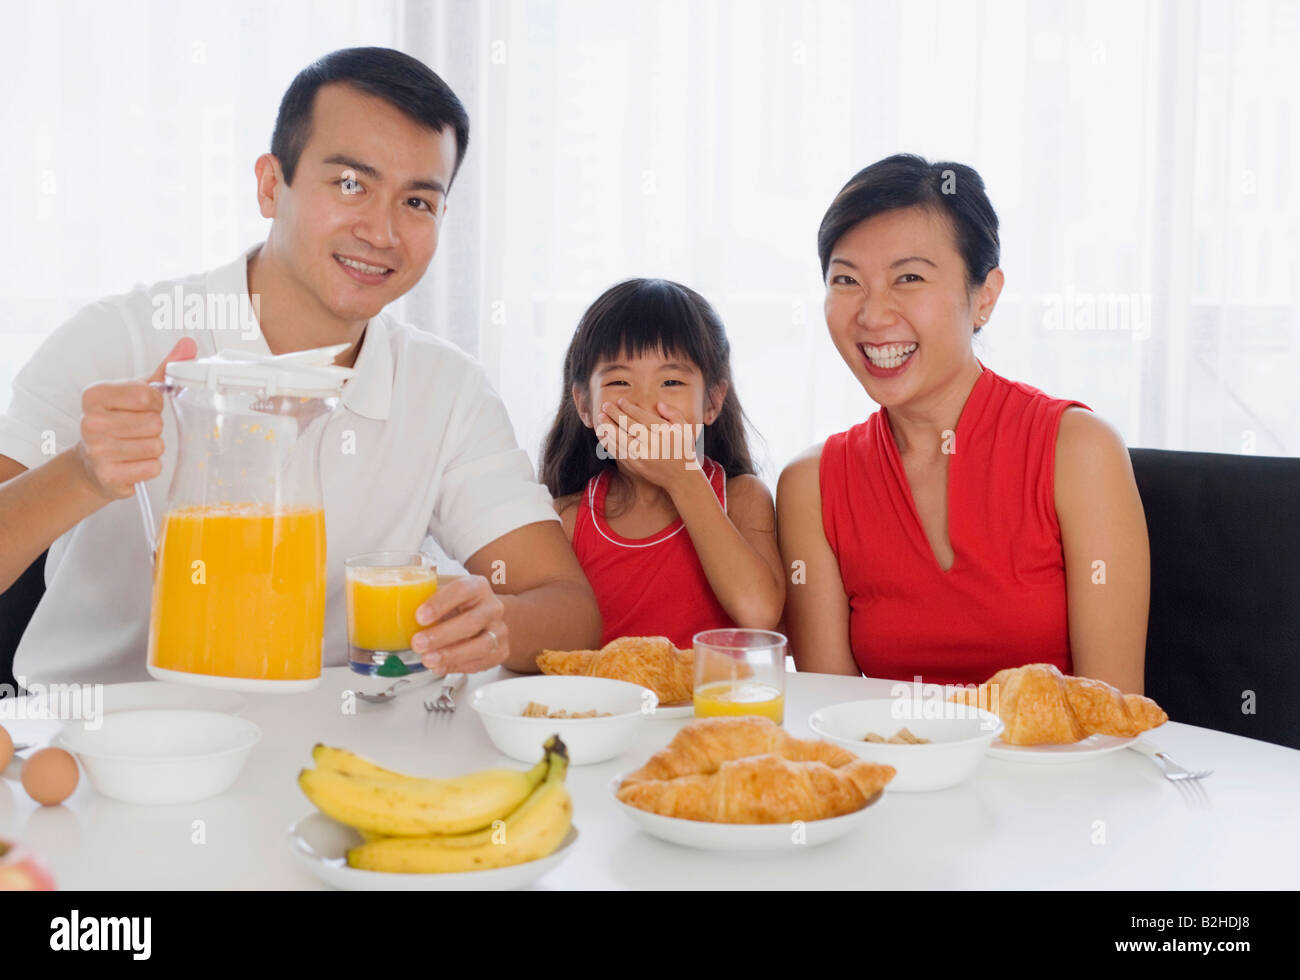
384	589
740	672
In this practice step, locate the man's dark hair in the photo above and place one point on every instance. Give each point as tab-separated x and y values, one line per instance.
904	180
397	78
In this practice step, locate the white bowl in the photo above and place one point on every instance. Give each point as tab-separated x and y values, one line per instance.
710	836
959	735
162	756
501	706
321	846
145	695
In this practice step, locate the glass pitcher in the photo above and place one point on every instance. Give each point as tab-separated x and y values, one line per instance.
239	558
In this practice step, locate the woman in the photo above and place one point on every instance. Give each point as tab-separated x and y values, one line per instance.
972	523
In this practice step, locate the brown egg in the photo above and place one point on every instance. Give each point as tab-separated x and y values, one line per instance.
50	776
6	748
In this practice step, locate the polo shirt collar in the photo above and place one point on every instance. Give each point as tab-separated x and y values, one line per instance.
232	280
368	393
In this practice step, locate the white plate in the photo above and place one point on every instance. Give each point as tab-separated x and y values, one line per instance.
673	711
145	695
1053	755
742	837
321	845
249	685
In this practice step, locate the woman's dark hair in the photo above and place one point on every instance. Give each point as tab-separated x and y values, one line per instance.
904	180
400	80
636	317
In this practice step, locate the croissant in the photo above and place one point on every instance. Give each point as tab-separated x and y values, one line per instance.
762	789
1040	705
651	661
702	748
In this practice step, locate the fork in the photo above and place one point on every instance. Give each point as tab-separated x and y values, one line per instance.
1187	781
446	701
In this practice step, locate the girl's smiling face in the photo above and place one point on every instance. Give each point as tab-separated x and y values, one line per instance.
648	380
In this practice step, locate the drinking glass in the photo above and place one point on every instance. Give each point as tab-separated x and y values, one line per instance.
740	672
384	589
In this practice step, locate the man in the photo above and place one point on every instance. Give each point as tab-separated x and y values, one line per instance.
366	146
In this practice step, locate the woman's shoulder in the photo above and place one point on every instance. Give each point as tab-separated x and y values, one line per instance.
1024	393
801	477
1085	439
809	459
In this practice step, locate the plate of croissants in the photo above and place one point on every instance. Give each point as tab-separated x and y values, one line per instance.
651	661
1054	718
745	784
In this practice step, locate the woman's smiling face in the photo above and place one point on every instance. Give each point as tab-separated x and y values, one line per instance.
898	305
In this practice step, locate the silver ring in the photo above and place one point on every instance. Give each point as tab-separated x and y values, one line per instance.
495	642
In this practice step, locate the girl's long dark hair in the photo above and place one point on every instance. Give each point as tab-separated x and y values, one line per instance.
636	317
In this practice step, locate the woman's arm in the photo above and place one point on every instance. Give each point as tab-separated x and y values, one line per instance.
1107	556
816	608
736	547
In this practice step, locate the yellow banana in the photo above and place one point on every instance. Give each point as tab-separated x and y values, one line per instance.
409	807
533	831
341	760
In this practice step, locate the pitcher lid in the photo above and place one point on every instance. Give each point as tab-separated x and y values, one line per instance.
306	373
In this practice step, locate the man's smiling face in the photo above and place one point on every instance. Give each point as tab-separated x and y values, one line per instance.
359	225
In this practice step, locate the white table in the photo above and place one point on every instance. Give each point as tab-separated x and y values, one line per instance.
1114	822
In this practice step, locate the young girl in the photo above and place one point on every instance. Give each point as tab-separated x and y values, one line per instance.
673	542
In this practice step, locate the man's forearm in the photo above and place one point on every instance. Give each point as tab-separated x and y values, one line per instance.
37	506
555	616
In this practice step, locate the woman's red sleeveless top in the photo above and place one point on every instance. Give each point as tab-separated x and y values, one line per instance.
1003	601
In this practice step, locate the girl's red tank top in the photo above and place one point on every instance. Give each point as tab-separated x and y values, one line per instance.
1003	602
651	586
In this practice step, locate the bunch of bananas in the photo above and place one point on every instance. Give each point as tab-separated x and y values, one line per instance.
487	819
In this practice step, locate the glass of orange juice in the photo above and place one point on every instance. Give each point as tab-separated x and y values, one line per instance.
384	589
740	672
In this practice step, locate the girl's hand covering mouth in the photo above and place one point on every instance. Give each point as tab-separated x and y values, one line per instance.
658	446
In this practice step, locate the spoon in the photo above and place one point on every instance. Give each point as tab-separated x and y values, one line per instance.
392	690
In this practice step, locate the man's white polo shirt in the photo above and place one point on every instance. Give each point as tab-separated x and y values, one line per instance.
420	445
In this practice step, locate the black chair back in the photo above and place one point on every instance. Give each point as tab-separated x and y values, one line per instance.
17	603
1223	642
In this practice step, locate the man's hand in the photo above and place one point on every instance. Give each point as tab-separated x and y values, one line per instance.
121	429
470	631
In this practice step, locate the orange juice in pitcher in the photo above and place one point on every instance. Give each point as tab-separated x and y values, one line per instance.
239	592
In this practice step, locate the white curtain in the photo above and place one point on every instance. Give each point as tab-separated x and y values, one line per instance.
1142	157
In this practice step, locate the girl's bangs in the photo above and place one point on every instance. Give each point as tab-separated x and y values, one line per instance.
651	317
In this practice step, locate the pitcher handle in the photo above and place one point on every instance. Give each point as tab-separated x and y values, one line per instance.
142	497
146	512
